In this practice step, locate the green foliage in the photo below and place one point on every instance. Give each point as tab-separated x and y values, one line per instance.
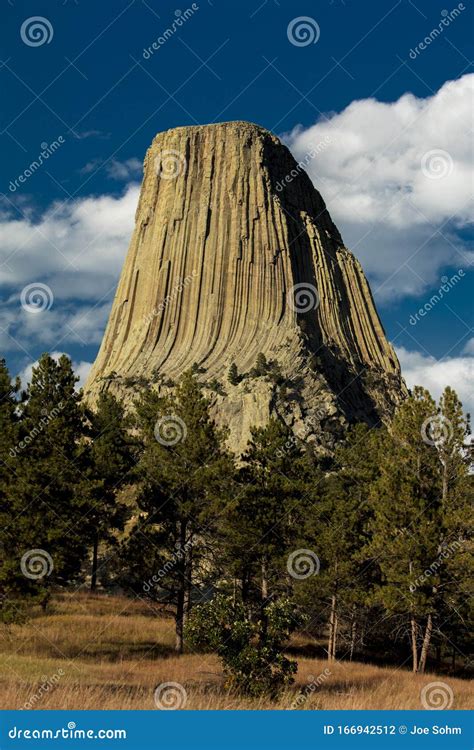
251	648
261	366
233	375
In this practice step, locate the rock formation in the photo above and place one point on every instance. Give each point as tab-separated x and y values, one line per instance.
235	254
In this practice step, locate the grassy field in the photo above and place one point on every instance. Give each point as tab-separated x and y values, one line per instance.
111	653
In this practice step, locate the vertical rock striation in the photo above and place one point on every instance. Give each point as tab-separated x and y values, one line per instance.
233	254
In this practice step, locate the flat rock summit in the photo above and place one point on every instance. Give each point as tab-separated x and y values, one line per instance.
235	255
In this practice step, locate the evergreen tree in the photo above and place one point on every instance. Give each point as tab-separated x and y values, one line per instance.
109	458
45	500
233	375
184	472
262	521
406	520
11	580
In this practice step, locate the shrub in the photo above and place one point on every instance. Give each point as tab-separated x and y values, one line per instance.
251	647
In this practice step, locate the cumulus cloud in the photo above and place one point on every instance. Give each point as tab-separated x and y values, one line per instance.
77	250
435	375
80	368
397	178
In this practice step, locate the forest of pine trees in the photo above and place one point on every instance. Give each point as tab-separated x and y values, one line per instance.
367	556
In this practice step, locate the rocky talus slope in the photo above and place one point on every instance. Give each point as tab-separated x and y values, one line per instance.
234	254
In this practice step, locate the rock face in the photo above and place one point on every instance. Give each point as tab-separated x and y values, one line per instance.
234	254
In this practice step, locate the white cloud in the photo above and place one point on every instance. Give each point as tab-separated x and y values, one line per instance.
435	375
397	178
80	368
124	170
77	249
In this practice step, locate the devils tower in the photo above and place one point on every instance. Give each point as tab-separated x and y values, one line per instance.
234	255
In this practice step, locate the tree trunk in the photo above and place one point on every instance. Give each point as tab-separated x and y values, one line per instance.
332	629
414	647
245	585
181	593
353	635
426	644
95	557
188	579
264	579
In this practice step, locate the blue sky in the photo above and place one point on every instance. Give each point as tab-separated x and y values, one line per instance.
392	110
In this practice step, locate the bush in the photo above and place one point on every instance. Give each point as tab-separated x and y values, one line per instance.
251	648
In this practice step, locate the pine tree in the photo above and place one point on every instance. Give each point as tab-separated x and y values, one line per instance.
261	524
109	458
233	375
11	580
45	499
406	520
184	472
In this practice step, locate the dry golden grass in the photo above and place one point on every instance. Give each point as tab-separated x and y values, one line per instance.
113	652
